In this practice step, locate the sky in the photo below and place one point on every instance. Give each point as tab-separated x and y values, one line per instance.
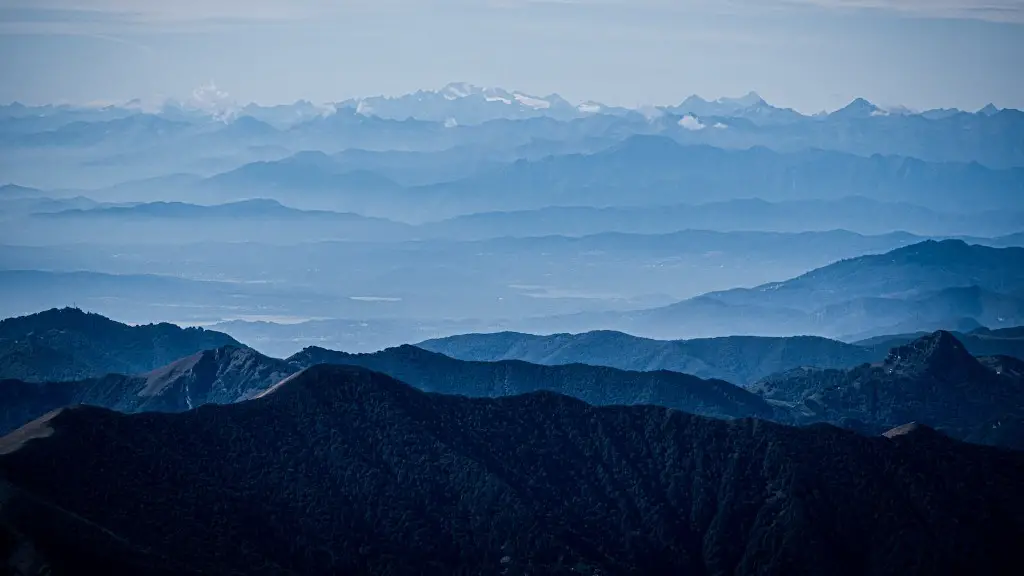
811	55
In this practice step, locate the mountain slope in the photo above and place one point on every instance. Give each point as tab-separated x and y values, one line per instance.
361	474
595	384
933	380
69	344
914	270
221	376
924	286
741	360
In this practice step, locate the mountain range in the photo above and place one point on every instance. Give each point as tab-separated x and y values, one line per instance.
596	385
361	474
105	147
926	381
742	360
657	169
856	214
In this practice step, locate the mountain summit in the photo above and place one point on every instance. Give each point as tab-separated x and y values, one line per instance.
859	108
939	353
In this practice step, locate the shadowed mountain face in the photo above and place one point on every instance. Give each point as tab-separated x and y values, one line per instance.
69	344
220	376
341	470
741	360
932	380
595	384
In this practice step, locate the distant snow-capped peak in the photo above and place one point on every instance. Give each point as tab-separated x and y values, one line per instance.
459	90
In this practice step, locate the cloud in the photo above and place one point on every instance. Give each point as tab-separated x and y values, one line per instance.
214	101
691	123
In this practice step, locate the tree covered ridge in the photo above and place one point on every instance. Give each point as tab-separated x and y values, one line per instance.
70	344
342	470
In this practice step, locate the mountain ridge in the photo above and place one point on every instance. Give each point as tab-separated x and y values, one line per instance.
224	375
68	343
511	480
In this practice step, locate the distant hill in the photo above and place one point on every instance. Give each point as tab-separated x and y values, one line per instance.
339	470
70	344
913	271
132	130
181	223
599	385
257	208
856	214
11	191
741	360
657	170
922	287
220	376
933	380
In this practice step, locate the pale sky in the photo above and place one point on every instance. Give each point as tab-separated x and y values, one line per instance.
806	54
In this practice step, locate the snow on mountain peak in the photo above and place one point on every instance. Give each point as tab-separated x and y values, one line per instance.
455	90
531	102
459	90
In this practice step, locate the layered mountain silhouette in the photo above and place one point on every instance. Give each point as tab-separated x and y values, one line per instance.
917	270
70	344
234	221
346	471
652	168
599	385
933	380
741	360
856	214
921	287
221	376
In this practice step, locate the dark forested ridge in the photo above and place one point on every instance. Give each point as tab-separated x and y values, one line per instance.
741	360
220	376
598	385
933	380
938	382
339	470
979	342
69	344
